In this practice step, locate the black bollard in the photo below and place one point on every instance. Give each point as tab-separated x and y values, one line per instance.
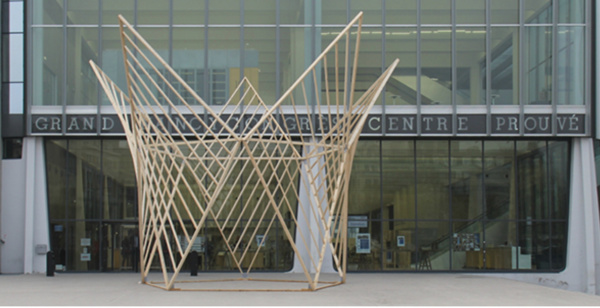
193	262
50	264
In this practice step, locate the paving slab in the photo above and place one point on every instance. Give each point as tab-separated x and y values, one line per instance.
125	289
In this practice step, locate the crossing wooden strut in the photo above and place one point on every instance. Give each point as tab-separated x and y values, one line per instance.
244	168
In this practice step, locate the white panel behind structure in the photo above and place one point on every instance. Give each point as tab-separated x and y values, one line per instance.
23	211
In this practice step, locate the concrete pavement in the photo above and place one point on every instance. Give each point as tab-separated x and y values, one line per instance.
395	289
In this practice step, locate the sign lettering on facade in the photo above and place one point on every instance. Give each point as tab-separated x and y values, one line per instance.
394	124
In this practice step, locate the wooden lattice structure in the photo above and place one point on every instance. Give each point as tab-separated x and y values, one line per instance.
246	166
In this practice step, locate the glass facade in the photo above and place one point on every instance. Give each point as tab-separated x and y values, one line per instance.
445	47
473	203
92	201
460	205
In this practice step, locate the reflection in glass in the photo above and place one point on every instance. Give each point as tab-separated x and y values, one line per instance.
466	187
292	12
56	166
47	66
436	11
398	183
82	85
47	12
84	250
470	66
570	85
571	11
504	11
188	12
533	180
505	71
538	65
259	12
558	152
364	189
433	242
371	10
401	12
399	245
401	43
188	62
538	11
432	179
536	245
84	178
112	59
333	12
152	12
498	179
436	66
467	245
224	62
112	8
118	180
224	12
82	12
470	12
260	61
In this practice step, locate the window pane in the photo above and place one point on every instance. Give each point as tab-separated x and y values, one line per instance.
505	71
56	166
432	179
84	179
398	165
401	43
119	181
399	247
112	8
48	12
153	12
82	12
15	63
401	12
466	187
571	70
571	11
470	12
558	245
359	258
467	244
538	65
433	245
292	12
188	12
436	12
259	62
112	60
538	11
333	12
499	178
500	244
364	189
470	66
82	46
83	248
260	12
295	54
505	11
436	66
533	180
371	10
188	62
534	244
224	12
224	63
559	178
48	66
